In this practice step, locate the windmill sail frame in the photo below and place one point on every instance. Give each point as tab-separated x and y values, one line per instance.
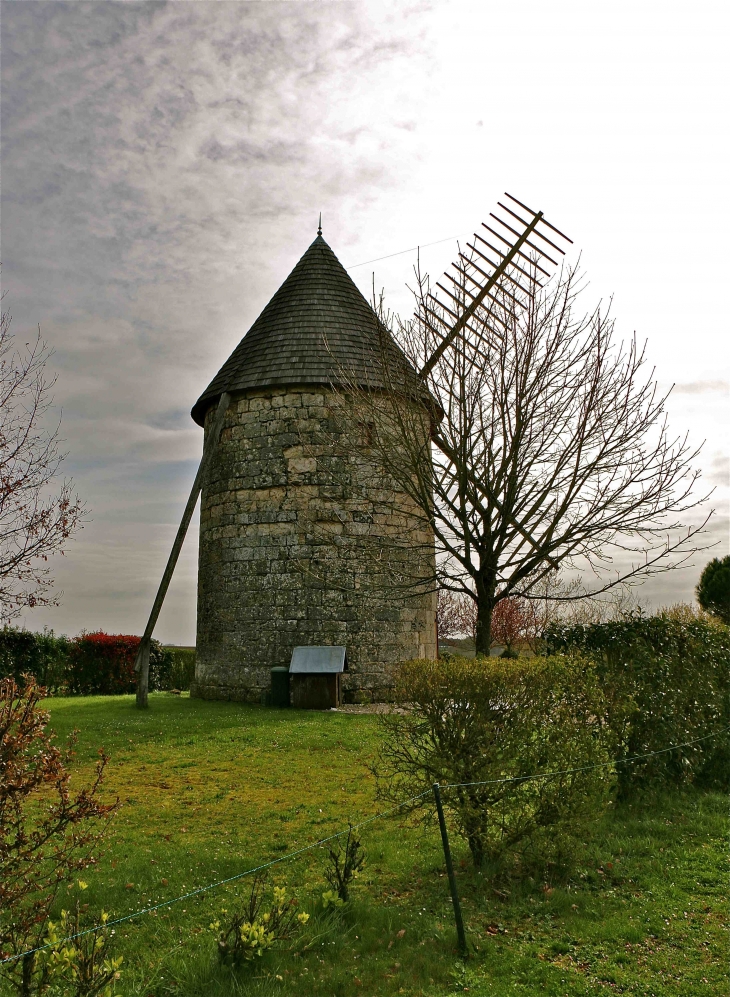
505	269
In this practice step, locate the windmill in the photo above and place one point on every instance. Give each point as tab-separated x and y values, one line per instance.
510	259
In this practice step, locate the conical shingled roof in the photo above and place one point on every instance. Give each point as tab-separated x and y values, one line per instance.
317	329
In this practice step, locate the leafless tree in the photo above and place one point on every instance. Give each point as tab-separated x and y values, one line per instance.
544	445
36	520
455	615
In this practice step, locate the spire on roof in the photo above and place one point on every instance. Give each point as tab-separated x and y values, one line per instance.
317	329
319	227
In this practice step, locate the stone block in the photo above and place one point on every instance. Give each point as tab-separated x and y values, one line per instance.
301	465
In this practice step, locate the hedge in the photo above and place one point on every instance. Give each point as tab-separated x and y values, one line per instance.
42	655
90	664
668	679
101	664
182	671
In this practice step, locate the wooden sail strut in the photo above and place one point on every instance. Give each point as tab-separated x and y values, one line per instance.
142	662
507	259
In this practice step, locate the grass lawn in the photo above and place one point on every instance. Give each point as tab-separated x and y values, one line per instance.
211	789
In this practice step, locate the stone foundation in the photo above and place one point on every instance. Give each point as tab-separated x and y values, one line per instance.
271	574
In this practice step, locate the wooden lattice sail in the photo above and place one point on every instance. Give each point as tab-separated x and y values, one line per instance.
505	269
508	265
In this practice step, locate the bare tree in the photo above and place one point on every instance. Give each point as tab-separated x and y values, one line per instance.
455	615
544	445
35	519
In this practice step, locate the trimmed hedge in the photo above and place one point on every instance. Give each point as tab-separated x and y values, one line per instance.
92	664
182	671
102	664
667	678
42	655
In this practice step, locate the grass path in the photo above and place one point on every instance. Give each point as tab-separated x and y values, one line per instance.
211	789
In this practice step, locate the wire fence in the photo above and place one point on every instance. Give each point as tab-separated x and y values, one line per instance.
444	788
220	882
586	768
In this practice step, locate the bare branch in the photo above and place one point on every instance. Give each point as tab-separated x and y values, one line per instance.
35	523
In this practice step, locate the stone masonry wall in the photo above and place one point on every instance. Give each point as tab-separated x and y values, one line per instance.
271	576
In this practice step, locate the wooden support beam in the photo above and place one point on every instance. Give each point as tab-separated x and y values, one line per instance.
142	662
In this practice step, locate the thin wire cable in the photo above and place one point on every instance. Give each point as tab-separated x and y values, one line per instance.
401	252
585	768
221	882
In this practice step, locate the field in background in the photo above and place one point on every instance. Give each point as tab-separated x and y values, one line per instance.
211	789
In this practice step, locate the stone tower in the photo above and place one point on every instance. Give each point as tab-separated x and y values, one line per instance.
267	582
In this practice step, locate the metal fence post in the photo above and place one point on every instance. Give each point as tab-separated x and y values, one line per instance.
450	871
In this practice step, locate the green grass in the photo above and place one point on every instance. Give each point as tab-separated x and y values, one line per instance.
211	789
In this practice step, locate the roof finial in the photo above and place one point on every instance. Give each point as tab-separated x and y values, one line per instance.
319	227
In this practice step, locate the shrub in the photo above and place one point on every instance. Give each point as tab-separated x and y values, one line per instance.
667	681
81	962
182	668
713	591
344	864
46	833
42	655
162	668
101	664
251	932
490	721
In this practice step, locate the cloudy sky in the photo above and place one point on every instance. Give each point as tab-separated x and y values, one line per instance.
164	165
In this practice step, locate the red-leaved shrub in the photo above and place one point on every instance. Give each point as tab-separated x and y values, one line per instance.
102	664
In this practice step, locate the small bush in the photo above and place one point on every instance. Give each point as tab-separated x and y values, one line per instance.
251	931
667	679
47	833
344	864
83	964
491	720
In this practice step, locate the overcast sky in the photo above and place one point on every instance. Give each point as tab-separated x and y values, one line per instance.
164	165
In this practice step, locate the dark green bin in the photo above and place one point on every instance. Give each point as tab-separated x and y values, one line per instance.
280	687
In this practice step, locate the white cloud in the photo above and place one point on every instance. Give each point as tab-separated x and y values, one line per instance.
701	387
164	165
